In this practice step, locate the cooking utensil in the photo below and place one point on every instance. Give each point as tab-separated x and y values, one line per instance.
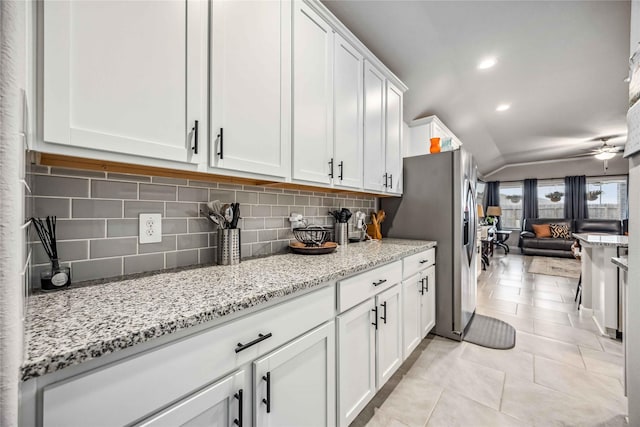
236	215
215	206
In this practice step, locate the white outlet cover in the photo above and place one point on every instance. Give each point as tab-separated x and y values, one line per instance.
150	228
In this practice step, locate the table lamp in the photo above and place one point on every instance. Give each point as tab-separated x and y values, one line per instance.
493	212
480	213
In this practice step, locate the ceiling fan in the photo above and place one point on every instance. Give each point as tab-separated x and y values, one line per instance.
604	152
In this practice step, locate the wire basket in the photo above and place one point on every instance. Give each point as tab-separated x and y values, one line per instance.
312	235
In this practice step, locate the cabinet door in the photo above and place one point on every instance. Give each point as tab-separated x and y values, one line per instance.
312	96
428	302
356	360
411	308
251	86
126	77
389	340
393	131
218	405
374	134
295	385
347	116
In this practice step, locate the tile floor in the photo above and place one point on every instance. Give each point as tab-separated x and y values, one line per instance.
561	372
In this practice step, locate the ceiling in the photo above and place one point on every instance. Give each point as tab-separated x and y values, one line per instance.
561	66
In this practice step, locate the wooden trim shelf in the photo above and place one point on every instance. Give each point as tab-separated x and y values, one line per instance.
71	162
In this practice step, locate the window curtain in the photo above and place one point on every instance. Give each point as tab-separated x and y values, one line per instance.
575	197
492	197
530	199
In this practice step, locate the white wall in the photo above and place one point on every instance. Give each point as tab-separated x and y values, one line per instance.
559	169
12	81
632	334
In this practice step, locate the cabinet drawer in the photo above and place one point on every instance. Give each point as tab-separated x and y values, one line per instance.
417	262
126	391
356	289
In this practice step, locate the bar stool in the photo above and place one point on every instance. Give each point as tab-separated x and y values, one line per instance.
577	254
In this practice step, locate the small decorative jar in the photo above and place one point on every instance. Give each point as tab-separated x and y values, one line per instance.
446	144
435	145
56	278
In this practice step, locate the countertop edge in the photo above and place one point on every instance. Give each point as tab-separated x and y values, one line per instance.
621	262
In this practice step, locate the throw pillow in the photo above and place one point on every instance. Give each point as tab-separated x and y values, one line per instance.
541	230
560	231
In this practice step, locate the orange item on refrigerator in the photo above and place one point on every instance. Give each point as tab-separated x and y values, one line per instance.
435	145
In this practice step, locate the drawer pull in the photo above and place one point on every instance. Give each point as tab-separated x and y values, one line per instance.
375	310
384	305
267	401
260	338
422	261
379	282
238	421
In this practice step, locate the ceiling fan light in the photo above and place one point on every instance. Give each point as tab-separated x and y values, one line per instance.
605	155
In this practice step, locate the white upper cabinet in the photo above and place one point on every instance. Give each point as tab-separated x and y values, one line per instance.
312	96
374	121
126	77
393	147
251	86
347	114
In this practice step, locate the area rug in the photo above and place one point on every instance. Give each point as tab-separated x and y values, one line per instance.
564	267
489	332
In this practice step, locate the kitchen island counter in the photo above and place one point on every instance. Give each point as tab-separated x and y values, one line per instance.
68	327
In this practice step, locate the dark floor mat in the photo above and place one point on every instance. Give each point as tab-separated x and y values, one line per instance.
490	332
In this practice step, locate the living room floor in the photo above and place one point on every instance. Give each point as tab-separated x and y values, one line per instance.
561	371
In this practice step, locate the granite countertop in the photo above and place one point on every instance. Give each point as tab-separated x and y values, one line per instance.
622	262
71	326
601	239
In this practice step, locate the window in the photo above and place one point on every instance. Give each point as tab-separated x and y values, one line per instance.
551	198
511	204
607	197
480	186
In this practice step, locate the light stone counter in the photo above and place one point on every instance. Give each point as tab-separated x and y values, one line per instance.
71	326
622	262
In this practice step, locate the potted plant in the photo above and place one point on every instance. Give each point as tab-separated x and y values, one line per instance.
556	196
593	195
514	198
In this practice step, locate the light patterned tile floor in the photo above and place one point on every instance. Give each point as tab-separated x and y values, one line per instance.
562	372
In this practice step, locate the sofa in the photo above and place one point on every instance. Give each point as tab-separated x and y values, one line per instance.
529	244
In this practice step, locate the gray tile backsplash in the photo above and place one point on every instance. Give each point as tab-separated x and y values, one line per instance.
98	219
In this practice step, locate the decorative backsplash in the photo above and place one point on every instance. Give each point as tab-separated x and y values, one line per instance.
98	219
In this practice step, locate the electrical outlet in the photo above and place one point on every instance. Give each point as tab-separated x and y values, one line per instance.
150	228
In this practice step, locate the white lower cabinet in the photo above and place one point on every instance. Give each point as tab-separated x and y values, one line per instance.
369	351
295	385
419	308
428	302
411	309
221	404
389	339
356	360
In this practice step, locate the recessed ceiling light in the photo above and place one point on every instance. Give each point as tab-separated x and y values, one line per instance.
503	107
487	63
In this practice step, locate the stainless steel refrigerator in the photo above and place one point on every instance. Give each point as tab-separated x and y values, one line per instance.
439	203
